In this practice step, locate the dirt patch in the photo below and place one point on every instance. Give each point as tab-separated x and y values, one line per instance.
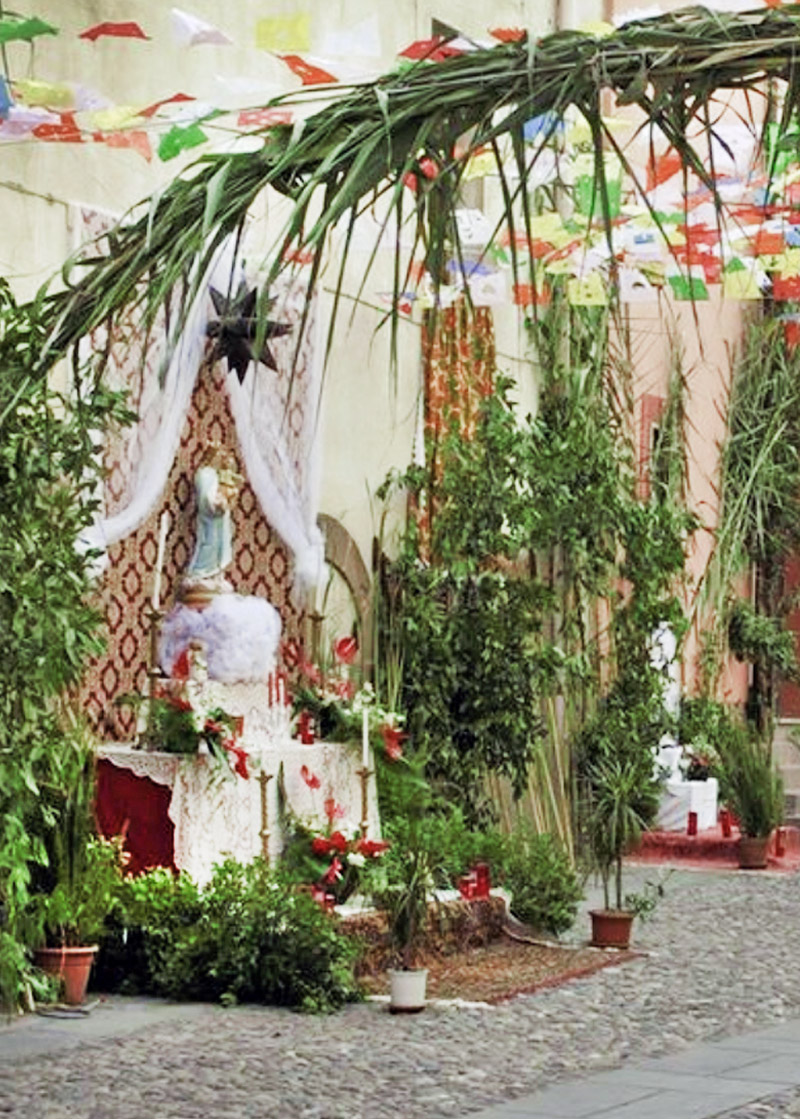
504	968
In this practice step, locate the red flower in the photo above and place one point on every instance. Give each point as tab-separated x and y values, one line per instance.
311	672
392	740
240	765
333	872
345	649
371	847
180	669
333	811
344	689
321	845
179	703
320	896
338	842
310	778
211	726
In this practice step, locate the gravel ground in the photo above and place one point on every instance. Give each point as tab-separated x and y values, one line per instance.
722	958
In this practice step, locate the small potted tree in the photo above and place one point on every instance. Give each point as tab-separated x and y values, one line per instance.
78	887
615	825
753	789
404	887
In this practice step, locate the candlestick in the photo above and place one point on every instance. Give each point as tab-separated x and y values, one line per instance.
364	775
162	544
153	674
364	738
263	780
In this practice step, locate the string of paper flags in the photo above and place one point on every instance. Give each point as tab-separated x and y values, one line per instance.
659	239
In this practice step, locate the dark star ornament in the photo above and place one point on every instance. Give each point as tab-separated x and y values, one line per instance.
236	329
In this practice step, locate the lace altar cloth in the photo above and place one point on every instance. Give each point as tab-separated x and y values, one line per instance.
216	815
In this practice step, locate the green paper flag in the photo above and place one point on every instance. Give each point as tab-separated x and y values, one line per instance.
179	140
688	287
25	29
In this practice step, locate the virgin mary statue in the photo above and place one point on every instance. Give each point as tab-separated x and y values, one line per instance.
215	486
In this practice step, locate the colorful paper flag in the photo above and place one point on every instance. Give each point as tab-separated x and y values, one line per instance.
508	34
264	118
587	291
305	71
65	131
136	140
176	98
688	287
526	295
179	139
12	30
129	30
284	33
50	95
432	50
115	119
5	98
191	31
786	287
741	285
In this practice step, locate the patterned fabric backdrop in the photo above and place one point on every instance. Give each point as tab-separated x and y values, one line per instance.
458	360
260	563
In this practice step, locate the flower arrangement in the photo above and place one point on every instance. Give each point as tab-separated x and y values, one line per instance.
332	860
335	704
182	728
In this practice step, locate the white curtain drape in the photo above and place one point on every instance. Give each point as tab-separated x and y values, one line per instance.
275	416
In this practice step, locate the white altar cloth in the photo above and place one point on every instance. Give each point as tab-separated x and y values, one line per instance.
217	816
679	798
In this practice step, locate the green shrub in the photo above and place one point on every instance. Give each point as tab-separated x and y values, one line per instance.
542	882
247	936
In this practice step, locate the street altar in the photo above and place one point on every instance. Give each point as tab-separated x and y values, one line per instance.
233	773
209	815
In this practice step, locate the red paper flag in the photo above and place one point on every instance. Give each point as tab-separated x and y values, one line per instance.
308	74
508	34
129	30
66	130
434	50
137	140
263	118
151	110
766	243
664	167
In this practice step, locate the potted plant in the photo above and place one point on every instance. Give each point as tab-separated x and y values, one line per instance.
404	886
78	887
753	789
615	825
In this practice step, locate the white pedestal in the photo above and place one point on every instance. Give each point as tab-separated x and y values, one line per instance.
682	797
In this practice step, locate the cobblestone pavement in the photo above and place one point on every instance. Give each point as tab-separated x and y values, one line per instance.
723	954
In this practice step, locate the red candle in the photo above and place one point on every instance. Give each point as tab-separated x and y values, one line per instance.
482	880
725	822
691	824
780	843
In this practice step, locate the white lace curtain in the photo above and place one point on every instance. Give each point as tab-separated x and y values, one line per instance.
275	417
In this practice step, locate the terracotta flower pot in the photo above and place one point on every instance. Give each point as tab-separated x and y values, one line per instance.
407	990
72	966
753	852
611	928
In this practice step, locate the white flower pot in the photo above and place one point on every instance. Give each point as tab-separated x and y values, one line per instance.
407	991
